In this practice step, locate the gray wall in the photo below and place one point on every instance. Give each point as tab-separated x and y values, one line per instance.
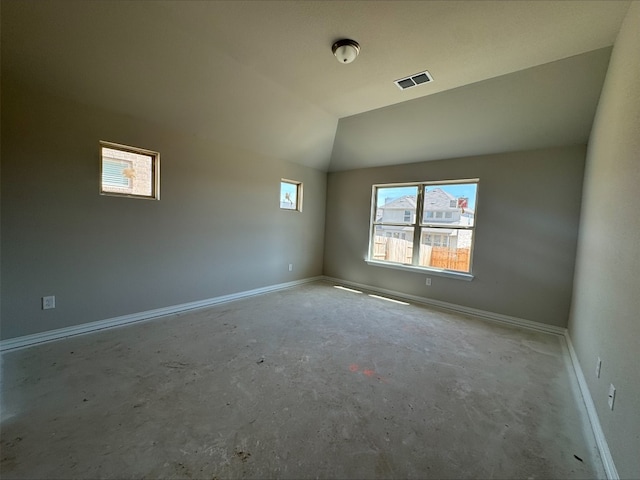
217	229
527	224
605	318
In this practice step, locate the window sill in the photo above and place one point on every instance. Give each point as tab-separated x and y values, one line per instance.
427	271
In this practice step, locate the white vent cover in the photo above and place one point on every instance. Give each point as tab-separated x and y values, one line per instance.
414	80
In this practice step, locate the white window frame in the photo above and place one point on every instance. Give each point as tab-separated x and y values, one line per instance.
298	185
155	170
418	225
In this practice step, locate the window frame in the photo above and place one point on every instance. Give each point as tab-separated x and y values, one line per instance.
155	170
298	185
419	226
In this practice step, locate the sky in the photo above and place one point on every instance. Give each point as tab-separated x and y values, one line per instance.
461	190
289	188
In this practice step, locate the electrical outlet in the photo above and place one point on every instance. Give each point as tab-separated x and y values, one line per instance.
48	302
612	395
291	267
598	367
428	282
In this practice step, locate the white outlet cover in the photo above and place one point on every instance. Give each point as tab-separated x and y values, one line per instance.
48	302
428	282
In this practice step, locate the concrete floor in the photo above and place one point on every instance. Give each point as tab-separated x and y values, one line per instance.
310	382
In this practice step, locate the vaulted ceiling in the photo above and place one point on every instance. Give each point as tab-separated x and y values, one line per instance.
508	75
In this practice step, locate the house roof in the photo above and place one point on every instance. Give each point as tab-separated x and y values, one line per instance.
435	199
261	77
438	199
406	201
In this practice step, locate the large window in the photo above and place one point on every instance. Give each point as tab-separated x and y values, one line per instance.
129	171
426	225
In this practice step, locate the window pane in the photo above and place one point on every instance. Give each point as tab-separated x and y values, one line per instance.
392	203
450	204
393	244
446	249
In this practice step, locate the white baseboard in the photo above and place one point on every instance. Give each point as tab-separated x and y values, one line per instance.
51	335
601	441
494	317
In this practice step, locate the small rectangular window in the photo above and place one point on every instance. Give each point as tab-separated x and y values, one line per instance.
129	171
291	195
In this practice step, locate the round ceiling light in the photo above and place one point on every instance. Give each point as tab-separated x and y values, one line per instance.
346	50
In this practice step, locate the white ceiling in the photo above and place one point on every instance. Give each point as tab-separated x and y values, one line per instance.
260	75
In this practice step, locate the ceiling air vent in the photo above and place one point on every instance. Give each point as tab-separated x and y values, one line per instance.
414	80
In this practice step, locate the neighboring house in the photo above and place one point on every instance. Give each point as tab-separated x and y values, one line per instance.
397	210
441	208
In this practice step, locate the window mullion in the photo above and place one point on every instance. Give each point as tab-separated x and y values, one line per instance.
415	258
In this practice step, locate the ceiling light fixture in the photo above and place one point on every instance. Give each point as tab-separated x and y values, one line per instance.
346	50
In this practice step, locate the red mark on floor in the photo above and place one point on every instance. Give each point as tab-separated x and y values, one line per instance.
355	368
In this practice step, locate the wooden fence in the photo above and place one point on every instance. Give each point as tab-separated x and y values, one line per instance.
451	258
401	251
392	249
